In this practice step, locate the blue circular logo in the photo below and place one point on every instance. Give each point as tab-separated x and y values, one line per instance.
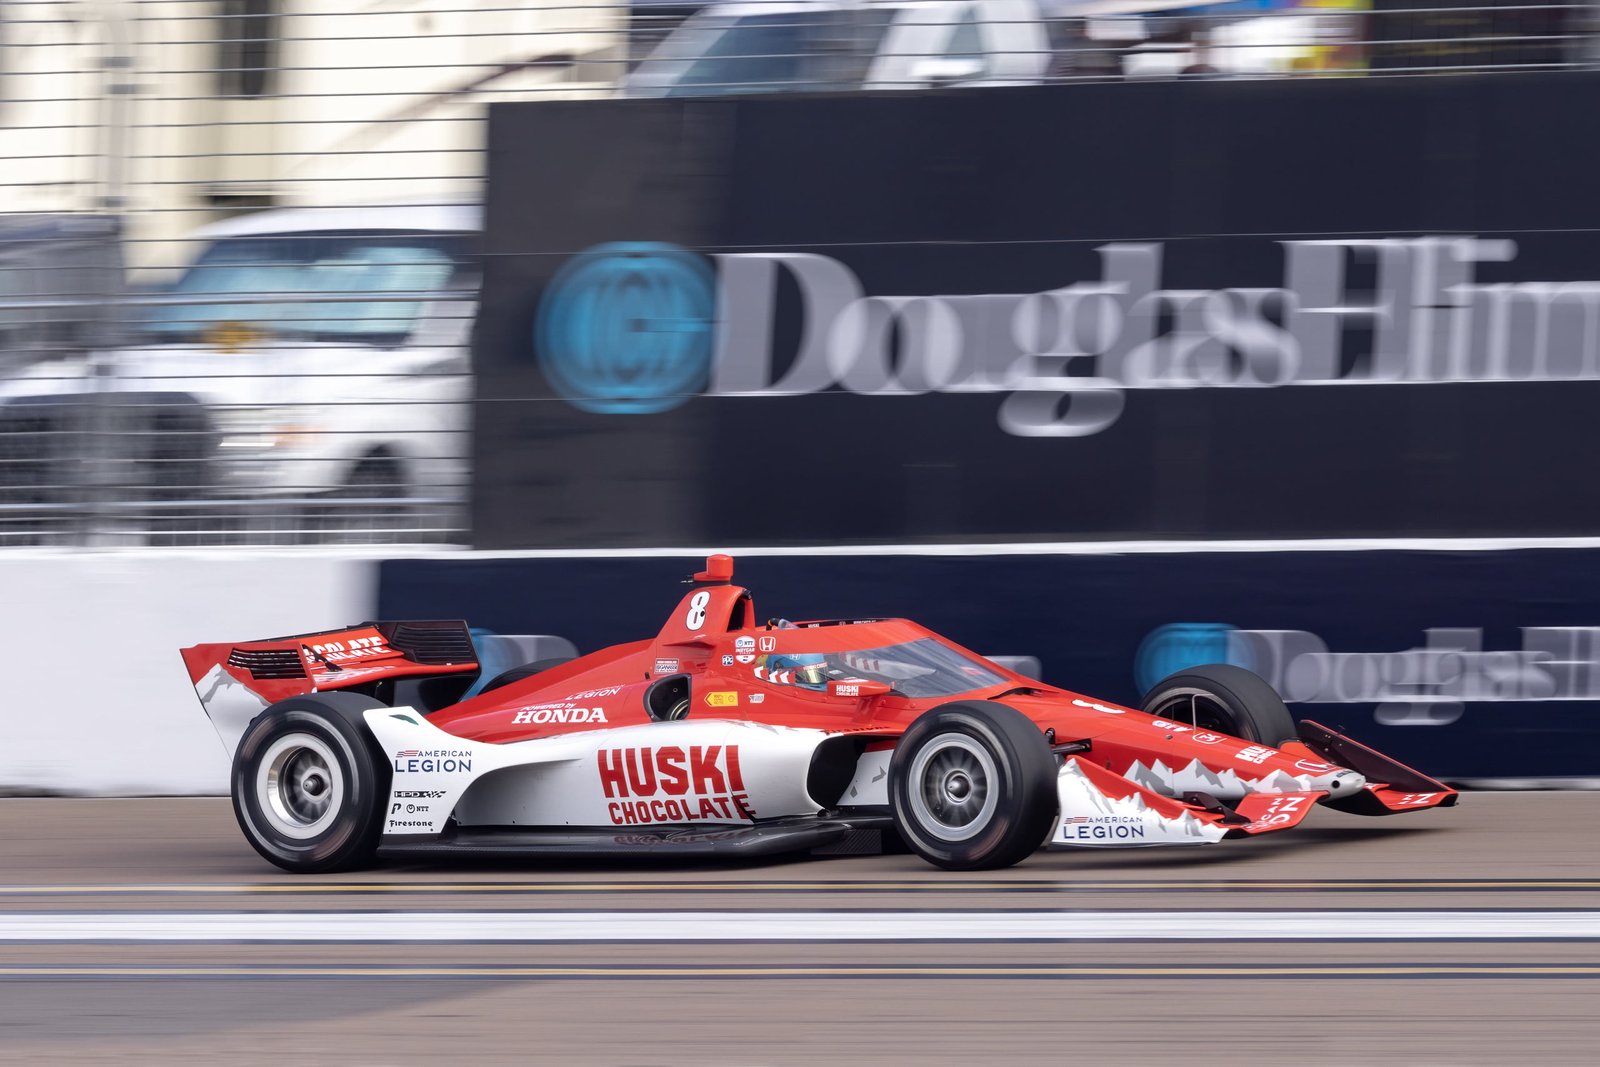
1177	646
626	328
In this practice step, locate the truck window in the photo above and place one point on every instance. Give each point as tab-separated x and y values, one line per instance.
306	265
966	42
785	51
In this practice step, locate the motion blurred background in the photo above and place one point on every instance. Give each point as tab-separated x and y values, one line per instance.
1120	334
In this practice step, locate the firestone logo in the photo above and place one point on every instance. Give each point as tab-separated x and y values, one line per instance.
629	328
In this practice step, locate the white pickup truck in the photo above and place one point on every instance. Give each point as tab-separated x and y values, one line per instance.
306	377
766	47
839	45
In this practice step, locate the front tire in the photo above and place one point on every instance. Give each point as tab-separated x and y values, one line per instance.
308	788
972	786
1226	699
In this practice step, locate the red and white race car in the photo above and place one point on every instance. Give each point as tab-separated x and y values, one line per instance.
726	735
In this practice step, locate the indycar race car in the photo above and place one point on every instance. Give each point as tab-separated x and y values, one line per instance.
725	736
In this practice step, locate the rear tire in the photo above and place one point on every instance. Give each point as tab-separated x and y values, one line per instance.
526	670
1224	698
308	786
972	786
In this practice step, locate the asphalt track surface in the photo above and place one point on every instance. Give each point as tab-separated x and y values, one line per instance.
139	931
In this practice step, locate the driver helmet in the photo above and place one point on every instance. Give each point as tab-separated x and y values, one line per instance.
807	669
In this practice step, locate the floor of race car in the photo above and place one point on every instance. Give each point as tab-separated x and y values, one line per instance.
775	837
146	931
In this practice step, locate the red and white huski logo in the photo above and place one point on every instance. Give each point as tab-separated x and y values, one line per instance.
673	784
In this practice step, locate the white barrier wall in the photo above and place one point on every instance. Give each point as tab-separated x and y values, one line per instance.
94	698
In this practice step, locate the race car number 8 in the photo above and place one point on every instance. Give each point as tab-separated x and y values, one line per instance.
697	609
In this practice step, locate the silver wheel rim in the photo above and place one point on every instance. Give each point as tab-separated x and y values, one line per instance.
1199	709
953	787
299	785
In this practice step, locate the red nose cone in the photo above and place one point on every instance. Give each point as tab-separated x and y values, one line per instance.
719	568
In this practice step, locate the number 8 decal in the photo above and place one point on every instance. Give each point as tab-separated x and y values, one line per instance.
697	609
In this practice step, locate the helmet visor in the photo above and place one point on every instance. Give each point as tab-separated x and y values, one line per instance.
810	674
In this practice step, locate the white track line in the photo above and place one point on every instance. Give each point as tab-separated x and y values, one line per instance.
799	926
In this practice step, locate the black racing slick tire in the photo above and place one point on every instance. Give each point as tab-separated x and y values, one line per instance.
972	786
526	670
308	784
1225	699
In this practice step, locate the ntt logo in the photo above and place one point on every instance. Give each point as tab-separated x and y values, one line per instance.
626	328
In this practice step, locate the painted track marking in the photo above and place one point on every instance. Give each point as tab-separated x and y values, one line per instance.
799	926
1064	971
314	888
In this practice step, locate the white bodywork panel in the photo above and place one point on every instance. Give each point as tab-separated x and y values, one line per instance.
1227	785
730	773
229	704
871	782
692	771
1091	819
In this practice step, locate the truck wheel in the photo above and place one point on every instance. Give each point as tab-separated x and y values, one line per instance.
308	787
972	786
1225	699
371	506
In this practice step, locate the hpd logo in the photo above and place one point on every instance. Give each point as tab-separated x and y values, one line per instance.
626	328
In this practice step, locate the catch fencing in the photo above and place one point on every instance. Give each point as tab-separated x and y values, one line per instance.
239	262
239	239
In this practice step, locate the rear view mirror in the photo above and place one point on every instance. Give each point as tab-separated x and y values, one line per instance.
858	690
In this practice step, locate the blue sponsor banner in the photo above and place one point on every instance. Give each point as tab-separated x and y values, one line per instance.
1464	664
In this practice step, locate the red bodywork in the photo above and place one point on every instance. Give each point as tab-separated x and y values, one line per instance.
356	657
714	638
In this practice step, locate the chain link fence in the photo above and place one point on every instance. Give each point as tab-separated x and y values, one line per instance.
238	238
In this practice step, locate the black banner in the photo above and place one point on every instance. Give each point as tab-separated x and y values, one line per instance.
1466	665
1338	307
1433	35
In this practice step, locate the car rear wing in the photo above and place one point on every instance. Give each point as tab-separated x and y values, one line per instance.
235	681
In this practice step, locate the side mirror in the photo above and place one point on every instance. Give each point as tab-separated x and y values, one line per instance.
858	690
940	71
